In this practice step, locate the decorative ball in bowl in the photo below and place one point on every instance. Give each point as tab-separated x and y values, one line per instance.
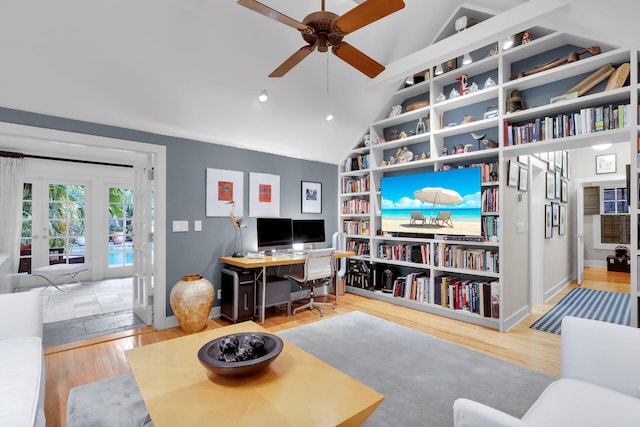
240	354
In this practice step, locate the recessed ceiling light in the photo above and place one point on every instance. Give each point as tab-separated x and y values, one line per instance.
329	117
264	96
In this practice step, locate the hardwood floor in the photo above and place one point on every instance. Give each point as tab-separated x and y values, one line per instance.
71	365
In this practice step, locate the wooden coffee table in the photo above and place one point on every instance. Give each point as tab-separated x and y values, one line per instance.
297	389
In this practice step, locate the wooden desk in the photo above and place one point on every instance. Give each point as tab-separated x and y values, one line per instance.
272	261
297	389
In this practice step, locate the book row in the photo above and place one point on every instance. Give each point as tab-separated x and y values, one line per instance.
401	252
490	200
454	293
360	248
356	228
355	163
355	206
455	256
585	121
490	227
488	171
355	184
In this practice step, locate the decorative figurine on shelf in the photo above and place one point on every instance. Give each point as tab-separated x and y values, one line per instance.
489	82
460	149
367	140
571	57
444	151
454	150
526	37
492	111
454	93
393	134
464	87
468	119
441	97
422	156
420	127
396	110
403	134
515	102
468	148
478	138
473	87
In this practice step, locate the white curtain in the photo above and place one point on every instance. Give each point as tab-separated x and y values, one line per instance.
11	183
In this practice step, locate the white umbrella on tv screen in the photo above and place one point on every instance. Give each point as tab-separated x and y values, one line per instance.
437	196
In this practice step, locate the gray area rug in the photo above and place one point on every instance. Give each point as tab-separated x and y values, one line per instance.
419	375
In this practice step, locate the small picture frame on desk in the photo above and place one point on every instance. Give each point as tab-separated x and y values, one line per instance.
311	197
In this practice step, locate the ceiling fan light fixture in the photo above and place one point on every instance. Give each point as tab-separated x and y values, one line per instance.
263	96
439	70
466	59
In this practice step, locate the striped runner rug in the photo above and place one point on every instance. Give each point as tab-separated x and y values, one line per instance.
607	306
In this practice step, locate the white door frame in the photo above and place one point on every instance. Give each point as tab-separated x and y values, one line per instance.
579	217
537	171
55	143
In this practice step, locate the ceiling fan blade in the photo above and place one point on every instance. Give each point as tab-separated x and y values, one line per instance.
273	14
366	13
357	59
292	61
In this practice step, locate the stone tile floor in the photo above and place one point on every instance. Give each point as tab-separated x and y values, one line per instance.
87	310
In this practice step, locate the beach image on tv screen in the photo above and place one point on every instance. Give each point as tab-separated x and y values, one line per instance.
444	202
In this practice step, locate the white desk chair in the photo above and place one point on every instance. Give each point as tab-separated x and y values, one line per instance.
318	271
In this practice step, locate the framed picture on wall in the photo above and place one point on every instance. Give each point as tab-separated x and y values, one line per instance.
551	185
563	220
606	163
311	197
523	180
558	184
548	222
564	191
223	187
555	210
514	173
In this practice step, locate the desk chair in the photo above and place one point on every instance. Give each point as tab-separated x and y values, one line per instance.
318	270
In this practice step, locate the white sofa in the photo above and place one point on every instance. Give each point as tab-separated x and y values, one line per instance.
22	372
599	383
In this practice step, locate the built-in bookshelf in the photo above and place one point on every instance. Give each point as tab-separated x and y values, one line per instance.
440	124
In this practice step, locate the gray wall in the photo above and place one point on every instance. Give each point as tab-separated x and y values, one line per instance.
187	160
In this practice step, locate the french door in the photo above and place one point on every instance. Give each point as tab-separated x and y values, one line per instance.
53	224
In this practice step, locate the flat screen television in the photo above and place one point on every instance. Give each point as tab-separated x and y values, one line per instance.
274	233
308	231
444	202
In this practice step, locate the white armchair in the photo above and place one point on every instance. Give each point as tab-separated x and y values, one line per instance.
599	383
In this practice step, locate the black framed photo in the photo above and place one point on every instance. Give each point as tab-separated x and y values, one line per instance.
311	197
564	191
555	207
548	222
523	180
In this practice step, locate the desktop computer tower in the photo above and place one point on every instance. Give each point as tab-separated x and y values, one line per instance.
238	294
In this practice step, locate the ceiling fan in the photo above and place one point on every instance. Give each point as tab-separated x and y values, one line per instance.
323	29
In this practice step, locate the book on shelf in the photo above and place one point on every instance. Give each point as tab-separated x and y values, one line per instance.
582	122
355	184
495	300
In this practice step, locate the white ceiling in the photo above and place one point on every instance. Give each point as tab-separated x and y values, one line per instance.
193	68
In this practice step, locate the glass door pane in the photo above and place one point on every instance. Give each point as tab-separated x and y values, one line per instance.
120	227
66	224
27	229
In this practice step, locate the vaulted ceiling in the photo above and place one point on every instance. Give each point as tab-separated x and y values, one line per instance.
194	68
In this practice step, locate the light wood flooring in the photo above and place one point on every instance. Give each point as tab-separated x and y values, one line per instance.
71	365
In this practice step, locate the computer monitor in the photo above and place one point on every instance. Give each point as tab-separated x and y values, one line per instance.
274	233
308	231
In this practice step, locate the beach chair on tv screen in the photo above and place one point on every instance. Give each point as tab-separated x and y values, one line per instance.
443	218
417	216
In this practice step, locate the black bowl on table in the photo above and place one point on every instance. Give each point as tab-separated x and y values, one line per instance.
209	355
